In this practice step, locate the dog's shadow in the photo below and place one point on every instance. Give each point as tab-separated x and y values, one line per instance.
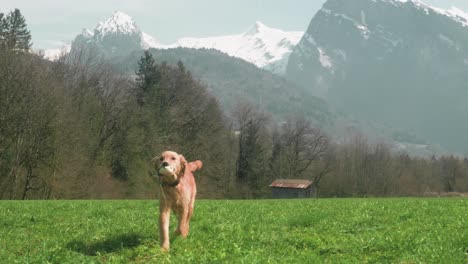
108	245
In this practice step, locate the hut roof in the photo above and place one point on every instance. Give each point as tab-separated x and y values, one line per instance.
291	183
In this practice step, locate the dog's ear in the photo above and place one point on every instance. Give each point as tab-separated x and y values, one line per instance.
183	164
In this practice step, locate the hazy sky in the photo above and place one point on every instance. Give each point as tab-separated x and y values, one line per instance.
54	22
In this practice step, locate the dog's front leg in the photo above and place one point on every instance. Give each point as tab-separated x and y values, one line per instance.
183	226
164	218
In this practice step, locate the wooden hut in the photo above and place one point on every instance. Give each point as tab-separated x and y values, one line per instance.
291	188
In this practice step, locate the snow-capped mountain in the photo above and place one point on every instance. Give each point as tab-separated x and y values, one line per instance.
121	24
401	63
117	35
261	45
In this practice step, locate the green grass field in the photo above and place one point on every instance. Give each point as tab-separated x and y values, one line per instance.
402	230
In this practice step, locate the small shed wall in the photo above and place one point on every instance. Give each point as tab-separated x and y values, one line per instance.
290	193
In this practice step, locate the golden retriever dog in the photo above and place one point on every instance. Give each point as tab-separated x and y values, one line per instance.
178	192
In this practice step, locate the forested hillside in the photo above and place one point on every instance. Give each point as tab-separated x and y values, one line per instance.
232	79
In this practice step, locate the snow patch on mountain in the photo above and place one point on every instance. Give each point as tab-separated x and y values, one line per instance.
360	25
454	12
87	33
54	54
325	59
278	66
308	47
147	41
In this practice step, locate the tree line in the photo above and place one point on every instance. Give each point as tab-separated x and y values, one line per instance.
78	128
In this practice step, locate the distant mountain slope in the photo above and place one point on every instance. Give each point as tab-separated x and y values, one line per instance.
400	63
231	79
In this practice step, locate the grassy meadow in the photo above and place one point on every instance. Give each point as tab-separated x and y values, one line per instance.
399	230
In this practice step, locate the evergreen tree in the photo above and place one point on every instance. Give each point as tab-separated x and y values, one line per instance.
2	30
15	34
250	163
148	77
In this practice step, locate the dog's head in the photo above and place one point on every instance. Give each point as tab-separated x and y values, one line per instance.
170	166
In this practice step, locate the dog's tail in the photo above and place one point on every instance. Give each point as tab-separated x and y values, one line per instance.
195	165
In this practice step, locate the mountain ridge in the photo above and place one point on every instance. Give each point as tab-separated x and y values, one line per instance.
261	45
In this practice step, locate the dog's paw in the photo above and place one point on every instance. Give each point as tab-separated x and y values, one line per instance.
165	248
